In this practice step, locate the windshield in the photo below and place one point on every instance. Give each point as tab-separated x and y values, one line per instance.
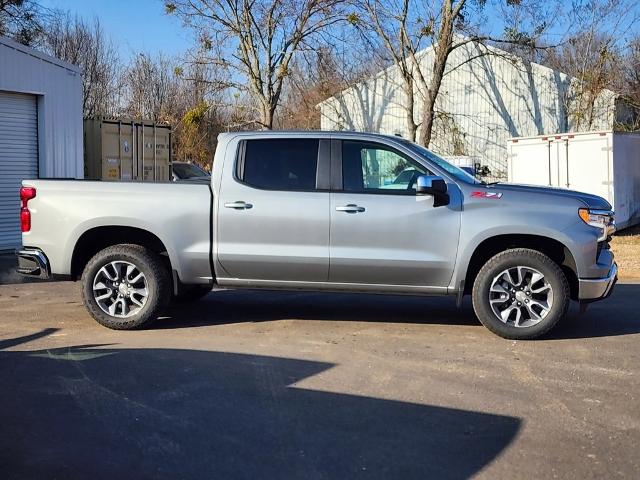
456	172
188	170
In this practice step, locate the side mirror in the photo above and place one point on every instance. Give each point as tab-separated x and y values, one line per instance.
433	185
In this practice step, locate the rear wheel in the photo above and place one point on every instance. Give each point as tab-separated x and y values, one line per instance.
125	286
520	294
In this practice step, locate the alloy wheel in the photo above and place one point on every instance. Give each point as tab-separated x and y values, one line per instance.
520	296
120	289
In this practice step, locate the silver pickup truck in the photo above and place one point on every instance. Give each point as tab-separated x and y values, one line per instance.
333	211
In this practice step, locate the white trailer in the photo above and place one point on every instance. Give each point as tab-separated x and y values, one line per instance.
603	163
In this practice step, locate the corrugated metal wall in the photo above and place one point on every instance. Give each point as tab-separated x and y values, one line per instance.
57	86
482	102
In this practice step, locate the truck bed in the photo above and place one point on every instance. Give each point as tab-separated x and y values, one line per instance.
178	214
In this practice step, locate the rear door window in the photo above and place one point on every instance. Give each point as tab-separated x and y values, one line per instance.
280	164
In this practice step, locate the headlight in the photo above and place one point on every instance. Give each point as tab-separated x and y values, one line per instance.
602	219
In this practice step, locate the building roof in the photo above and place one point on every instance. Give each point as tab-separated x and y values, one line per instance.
12	44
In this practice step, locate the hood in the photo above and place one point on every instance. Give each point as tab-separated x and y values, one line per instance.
591	201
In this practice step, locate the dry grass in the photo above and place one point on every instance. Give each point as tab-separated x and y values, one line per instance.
626	247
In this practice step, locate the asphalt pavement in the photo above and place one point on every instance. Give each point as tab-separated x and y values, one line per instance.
277	385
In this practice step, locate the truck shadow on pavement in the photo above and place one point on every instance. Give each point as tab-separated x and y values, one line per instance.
614	316
85	412
233	306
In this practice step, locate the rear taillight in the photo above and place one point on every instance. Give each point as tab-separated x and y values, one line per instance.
25	219
26	194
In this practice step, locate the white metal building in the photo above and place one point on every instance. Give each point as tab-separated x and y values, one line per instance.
487	97
40	126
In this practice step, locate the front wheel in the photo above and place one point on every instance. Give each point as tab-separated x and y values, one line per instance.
520	294
125	286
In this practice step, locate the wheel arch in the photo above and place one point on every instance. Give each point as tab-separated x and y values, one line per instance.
101	237
554	249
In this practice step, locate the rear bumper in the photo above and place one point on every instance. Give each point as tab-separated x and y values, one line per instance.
592	289
33	262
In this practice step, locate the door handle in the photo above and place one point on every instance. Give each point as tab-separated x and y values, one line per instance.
239	205
351	208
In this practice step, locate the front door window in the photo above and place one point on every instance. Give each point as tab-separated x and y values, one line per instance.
371	168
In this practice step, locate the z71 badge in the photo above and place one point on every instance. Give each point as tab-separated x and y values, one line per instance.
494	195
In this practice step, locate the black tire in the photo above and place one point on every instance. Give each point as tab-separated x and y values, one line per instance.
191	293
158	285
527	258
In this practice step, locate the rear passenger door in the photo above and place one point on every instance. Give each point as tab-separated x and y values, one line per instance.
273	212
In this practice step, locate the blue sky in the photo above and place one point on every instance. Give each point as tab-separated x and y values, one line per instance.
142	26
134	25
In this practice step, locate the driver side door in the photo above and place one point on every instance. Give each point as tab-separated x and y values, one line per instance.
381	231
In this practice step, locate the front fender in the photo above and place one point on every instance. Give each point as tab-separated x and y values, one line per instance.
581	244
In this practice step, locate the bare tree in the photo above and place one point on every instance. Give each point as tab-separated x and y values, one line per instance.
257	39
86	45
153	88
312	80
21	19
450	13
458	23
402	32
403	27
186	96
198	112
631	82
593	62
595	53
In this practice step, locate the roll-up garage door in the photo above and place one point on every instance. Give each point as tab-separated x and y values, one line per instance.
18	159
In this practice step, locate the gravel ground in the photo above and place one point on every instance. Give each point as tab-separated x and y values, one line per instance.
626	247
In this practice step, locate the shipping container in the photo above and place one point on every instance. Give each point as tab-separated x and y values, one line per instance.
127	150
602	163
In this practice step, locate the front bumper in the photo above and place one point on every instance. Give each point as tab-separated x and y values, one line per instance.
592	289
33	262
